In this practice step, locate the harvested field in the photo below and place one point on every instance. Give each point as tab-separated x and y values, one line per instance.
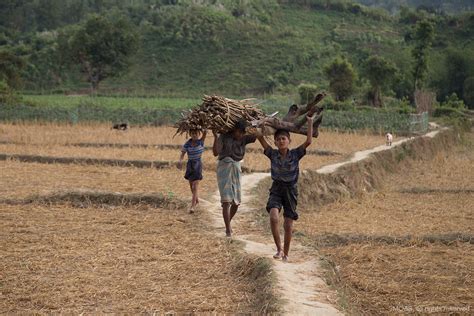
254	161
61	259
61	134
407	247
54	141
379	279
139	258
401	207
21	180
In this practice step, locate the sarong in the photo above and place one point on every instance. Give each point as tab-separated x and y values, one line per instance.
228	180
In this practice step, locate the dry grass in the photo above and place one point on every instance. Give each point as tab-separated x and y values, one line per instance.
52	140
20	180
61	134
407	246
394	214
61	259
254	161
397	209
388	279
127	153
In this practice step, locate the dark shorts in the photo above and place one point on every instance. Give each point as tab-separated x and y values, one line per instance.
284	195
193	170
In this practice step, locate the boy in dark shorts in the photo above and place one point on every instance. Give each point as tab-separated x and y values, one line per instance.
284	190
194	148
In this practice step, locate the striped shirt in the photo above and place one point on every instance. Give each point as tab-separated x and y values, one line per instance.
285	169
194	152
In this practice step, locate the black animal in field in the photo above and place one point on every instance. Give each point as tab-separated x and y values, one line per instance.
121	126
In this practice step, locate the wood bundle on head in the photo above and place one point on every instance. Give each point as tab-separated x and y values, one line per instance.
218	114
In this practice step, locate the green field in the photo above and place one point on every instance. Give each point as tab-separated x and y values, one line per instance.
166	111
64	101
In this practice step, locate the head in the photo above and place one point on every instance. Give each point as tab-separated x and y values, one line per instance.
195	134
282	139
239	129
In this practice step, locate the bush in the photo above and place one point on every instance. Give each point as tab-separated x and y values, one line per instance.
7	94
453	102
448	111
307	92
468	94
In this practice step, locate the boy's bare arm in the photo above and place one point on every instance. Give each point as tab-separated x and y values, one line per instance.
263	142
309	135
215	146
204	134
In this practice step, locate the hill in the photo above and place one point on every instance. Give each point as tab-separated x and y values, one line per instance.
238	48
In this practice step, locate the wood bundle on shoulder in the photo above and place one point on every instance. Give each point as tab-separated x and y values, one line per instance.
219	114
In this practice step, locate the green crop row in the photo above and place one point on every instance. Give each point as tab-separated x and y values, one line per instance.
342	120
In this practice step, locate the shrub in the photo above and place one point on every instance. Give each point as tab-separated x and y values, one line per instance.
448	111
307	92
453	102
7	94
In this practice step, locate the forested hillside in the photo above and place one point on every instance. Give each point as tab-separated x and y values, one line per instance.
186	48
440	6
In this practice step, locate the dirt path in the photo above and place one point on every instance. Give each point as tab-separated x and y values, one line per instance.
299	282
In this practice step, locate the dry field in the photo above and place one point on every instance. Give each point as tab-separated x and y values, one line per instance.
55	140
20	180
61	134
74	258
62	259
408	246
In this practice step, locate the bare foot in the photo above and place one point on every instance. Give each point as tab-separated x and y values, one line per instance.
284	258
191	210
278	255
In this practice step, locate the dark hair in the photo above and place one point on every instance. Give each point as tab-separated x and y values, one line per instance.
241	125
282	132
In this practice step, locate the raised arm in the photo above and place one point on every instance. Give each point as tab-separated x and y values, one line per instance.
263	142
204	134
216	146
309	135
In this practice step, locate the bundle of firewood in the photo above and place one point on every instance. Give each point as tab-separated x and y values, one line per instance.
218	114
221	114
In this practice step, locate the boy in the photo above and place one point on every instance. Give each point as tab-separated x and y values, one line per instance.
284	191
194	147
230	150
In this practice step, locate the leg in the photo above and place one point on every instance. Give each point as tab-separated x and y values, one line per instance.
196	189
191	209
288	225
194	186
274	224
226	216
233	210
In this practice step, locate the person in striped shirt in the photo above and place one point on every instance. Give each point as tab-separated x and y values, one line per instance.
194	148
284	190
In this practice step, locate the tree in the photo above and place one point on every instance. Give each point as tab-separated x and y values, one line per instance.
423	37
380	73
10	68
102	46
458	67
307	92
341	77
468	95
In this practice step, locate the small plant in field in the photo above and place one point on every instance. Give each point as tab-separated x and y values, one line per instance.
307	92
7	94
454	102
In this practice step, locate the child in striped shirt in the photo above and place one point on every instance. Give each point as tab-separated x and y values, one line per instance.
284	190
194	148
